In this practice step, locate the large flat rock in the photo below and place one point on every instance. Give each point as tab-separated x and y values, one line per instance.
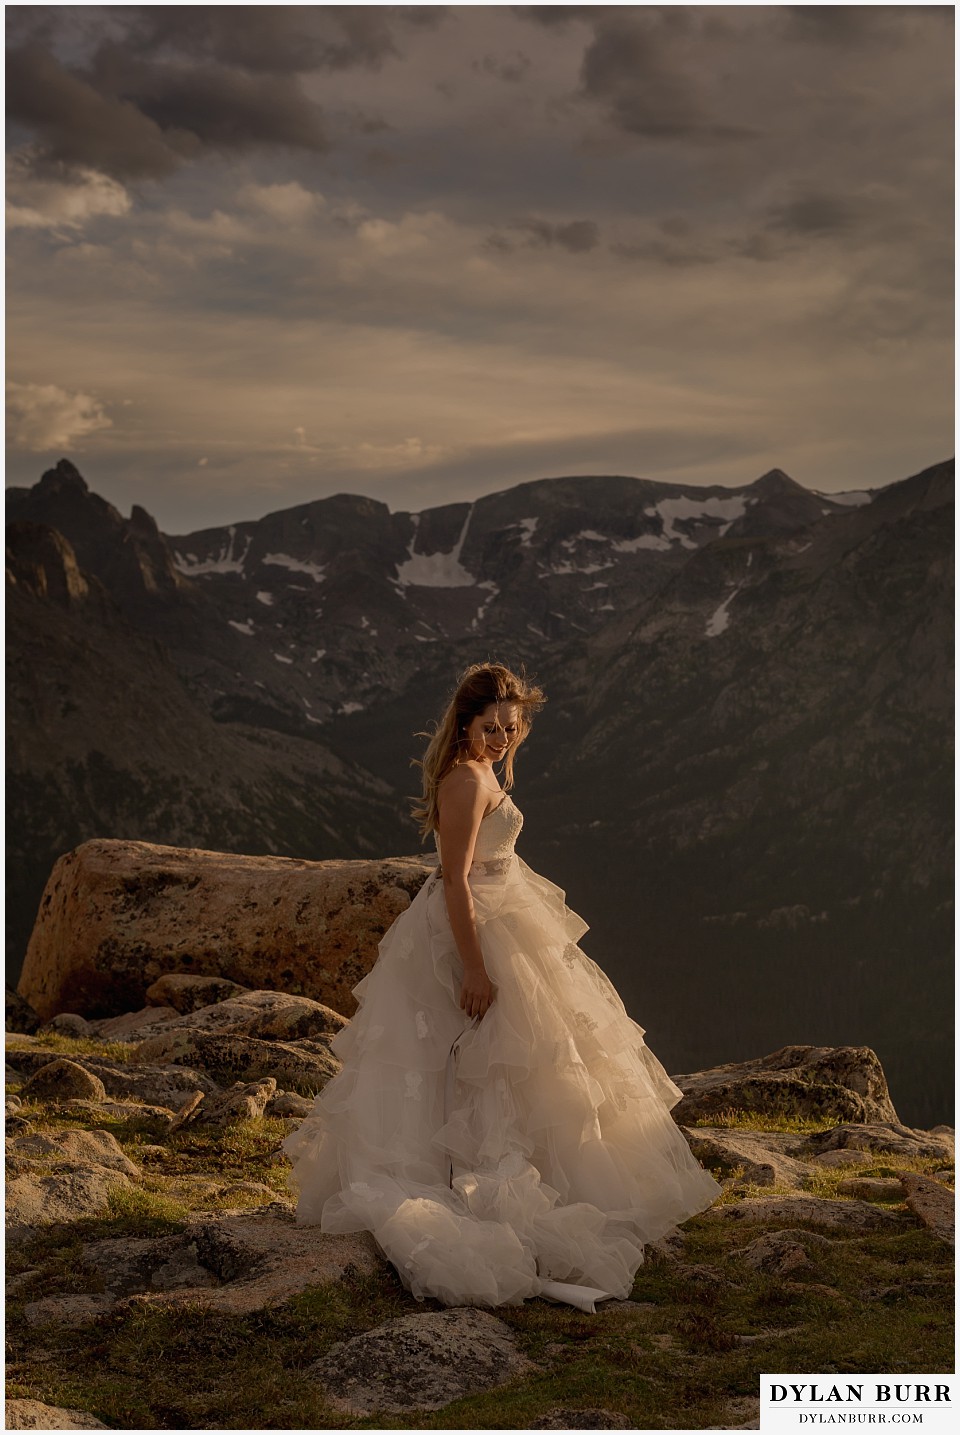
63	1196
847	1216
762	1164
117	915
931	1203
305	1066
263	1259
158	1084
420	1362
878	1137
841	1083
265	1015
34	1415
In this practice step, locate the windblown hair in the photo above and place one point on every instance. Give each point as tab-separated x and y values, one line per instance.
478	687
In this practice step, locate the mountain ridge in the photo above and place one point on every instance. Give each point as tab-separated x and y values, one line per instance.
749	710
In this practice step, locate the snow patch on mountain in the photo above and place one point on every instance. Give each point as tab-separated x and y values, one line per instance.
655	541
246	627
563	568
684	508
225	562
436	570
494	592
720	617
317	571
265	598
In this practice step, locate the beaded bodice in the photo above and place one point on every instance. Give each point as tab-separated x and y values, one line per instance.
498	833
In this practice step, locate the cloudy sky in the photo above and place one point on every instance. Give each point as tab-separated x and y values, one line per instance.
261	254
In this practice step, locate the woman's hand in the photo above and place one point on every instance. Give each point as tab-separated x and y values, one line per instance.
476	992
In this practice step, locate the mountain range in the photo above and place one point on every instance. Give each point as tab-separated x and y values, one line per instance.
742	776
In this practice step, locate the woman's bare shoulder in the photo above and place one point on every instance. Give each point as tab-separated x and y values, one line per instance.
459	787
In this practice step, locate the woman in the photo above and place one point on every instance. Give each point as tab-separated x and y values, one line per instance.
498	1124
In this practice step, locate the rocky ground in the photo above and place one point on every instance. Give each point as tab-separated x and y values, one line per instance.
157	1280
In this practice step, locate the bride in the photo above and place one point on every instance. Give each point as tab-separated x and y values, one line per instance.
499	1124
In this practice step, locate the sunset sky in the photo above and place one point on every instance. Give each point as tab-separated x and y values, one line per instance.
262	254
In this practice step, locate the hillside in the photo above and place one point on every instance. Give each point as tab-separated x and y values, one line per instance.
742	775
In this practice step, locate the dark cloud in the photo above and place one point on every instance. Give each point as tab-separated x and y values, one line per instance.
222	107
817	215
29	22
162	83
550	15
512	69
289	39
634	69
843	25
78	126
577	236
661	249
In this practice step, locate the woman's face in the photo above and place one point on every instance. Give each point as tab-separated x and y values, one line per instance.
493	731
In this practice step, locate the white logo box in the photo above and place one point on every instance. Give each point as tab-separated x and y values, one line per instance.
819	1402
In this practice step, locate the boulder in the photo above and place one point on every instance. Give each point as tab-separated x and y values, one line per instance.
871	1188
306	1066
68	1023
883	1137
34	1415
761	1166
841	1083
855	1217
66	1195
117	915
158	1085
59	1080
69	1311
124	1110
837	1159
263	1258
133	1025
20	1014
245	1101
781	1253
931	1203
136	1263
95	1148
420	1362
266	1015
288	1103
186	993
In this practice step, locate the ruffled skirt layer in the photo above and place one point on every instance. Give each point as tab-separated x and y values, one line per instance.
491	1157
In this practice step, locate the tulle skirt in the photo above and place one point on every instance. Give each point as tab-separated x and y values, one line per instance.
494	1156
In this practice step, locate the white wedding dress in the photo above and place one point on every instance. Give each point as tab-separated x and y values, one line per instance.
505	1157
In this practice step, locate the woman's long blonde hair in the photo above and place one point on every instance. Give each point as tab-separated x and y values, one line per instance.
478	687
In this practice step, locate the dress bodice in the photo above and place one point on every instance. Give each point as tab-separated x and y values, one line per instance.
498	832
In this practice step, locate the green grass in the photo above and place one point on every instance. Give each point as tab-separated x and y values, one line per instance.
676	1358
736	1119
680	1356
74	1046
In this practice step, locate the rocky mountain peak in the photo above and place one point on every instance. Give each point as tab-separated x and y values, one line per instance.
40	560
143	522
775	481
63	475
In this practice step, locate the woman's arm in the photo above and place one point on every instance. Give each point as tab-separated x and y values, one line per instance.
461	812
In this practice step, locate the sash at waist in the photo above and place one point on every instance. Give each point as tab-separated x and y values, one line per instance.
488	868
